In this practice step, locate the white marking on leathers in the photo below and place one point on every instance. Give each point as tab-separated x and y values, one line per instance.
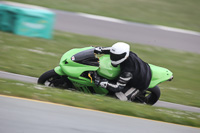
134	94
125	79
131	90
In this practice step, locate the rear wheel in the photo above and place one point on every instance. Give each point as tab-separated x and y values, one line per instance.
52	79
150	96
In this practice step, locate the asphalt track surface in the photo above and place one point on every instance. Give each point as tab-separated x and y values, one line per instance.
33	80
128	31
27	116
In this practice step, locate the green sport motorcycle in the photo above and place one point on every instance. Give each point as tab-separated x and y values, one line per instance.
76	69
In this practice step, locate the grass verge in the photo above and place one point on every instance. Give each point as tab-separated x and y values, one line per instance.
34	56
102	103
175	13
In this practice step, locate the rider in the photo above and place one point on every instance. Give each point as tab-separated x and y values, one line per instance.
135	74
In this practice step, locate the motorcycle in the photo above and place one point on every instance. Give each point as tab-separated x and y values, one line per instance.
76	71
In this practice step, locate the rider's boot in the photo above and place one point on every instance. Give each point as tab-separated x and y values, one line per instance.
130	94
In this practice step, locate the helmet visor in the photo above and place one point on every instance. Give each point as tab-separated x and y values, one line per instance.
117	57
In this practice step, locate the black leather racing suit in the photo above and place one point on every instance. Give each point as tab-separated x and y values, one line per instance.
134	73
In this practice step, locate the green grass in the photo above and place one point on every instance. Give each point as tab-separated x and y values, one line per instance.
102	103
175	13
34	56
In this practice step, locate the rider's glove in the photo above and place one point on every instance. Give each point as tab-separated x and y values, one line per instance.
103	83
98	50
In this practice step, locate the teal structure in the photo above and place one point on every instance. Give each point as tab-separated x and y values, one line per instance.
26	20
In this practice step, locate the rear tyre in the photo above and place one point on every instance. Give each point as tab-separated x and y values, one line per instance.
150	96
153	96
52	79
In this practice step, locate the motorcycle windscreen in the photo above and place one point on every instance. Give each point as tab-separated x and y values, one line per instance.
76	61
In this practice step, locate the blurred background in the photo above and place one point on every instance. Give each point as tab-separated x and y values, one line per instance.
163	33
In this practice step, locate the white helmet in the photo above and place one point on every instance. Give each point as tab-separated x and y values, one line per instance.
119	52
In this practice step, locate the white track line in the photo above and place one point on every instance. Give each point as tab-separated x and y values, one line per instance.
177	30
109	19
103	18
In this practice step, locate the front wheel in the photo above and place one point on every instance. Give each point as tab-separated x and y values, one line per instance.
52	79
150	96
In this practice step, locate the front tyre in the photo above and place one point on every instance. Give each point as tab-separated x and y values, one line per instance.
52	79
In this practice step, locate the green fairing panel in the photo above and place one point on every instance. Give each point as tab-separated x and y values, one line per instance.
59	71
85	83
72	68
106	69
159	75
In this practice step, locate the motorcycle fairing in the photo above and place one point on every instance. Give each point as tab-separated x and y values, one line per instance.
71	65
72	68
106	70
159	75
84	85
